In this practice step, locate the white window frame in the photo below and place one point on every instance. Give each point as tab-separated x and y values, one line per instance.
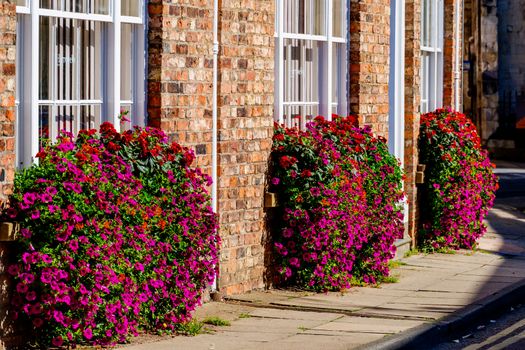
396	86
326	72
28	99
396	92
432	70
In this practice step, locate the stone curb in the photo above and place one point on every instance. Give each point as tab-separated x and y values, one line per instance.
428	335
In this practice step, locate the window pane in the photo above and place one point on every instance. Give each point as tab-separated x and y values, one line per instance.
100	7
70	59
126	66
304	17
81	6
301	70
130	8
425	72
339	63
21	3
90	64
338	18
53	120
440	31
426	21
66	62
45	59
298	115
64	120
125	111
43	123
89	117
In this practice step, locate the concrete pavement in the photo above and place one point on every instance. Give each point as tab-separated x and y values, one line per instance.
435	293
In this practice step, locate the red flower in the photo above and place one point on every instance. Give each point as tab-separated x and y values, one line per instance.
113	146
279	137
287	162
107	128
306	173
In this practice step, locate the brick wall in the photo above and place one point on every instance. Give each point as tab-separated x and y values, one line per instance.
450	62
7	96
369	62
246	98
412	105
7	154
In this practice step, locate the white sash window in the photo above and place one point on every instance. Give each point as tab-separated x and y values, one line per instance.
431	55
79	63
311	60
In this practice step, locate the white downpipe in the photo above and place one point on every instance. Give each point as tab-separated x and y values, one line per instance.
457	73
214	177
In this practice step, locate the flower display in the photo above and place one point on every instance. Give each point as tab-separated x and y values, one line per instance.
460	184
341	196
118	236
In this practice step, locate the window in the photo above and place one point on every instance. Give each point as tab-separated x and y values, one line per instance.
431	55
311	60
79	63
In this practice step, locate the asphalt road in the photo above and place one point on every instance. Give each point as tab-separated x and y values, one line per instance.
506	332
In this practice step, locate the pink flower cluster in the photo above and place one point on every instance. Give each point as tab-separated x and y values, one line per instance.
460	184
341	194
117	237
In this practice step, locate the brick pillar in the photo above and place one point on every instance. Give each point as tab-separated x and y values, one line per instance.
180	72
7	97
179	102
369	62
246	99
412	105
450	66
7	152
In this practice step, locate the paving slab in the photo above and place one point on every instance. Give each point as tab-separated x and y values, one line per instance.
408	311
368	325
467	277
319	304
266	297
294	315
500	271
445	299
353	300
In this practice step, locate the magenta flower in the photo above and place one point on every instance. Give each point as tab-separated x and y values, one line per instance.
21	288
38	322
51	190
13	270
57	341
88	333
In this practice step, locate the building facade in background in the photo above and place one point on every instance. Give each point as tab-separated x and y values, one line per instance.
72	64
494	73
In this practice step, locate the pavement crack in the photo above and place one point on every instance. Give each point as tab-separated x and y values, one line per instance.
356	313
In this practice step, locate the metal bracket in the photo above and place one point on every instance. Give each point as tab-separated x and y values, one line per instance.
270	200
9	231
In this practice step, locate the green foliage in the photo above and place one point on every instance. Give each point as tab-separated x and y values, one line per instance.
216	321
191	328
